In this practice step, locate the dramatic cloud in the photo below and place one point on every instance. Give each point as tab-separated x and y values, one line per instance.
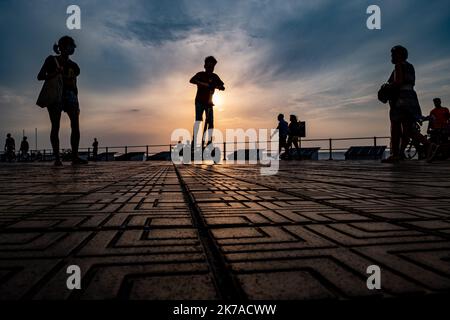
313	58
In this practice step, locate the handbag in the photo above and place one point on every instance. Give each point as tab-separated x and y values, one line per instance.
386	93
52	90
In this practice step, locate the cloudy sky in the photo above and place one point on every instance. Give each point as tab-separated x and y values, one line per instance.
313	58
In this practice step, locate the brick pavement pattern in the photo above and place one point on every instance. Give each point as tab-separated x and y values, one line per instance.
158	231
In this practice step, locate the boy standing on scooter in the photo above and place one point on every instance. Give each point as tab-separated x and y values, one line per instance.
207	82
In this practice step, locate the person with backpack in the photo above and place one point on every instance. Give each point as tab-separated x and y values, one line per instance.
294	134
60	93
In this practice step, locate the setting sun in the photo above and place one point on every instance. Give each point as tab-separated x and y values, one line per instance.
218	100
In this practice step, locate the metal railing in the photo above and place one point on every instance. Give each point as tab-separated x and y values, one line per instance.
148	150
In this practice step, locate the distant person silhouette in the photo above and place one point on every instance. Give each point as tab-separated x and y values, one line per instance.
405	110
439	116
294	133
188	145
207	82
95	149
24	148
179	148
10	148
283	131
439	125
63	65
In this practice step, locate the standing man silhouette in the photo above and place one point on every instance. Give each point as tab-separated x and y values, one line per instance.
10	148
283	131
24	148
95	149
207	82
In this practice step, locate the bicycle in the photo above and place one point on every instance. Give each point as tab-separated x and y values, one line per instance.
413	149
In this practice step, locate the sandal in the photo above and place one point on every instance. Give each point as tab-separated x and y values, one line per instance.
77	160
391	159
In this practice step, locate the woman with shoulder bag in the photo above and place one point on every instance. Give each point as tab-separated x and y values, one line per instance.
404	105
60	93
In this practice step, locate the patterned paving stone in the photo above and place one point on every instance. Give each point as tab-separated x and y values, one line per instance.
158	231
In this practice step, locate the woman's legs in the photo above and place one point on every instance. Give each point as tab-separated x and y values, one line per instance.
74	116
396	140
289	143
295	142
55	118
282	143
405	135
396	137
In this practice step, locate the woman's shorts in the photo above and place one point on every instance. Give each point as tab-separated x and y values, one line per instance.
405	107
70	101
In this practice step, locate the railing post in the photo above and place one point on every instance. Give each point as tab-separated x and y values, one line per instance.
89	153
126	150
107	154
43	159
224	151
374	141
331	149
146	153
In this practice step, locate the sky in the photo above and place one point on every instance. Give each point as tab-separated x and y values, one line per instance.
312	58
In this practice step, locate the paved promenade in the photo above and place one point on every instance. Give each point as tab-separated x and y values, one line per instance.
156	231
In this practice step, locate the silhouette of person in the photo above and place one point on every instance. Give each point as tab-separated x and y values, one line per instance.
438	127
187	146
405	110
207	82
283	131
95	149
62	64
10	148
294	133
439	116
179	148
24	148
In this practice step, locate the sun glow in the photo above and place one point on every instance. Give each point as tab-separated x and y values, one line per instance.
218	100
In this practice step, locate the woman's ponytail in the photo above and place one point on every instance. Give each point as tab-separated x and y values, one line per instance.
56	48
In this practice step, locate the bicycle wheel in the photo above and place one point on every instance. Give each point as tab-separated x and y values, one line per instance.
410	151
